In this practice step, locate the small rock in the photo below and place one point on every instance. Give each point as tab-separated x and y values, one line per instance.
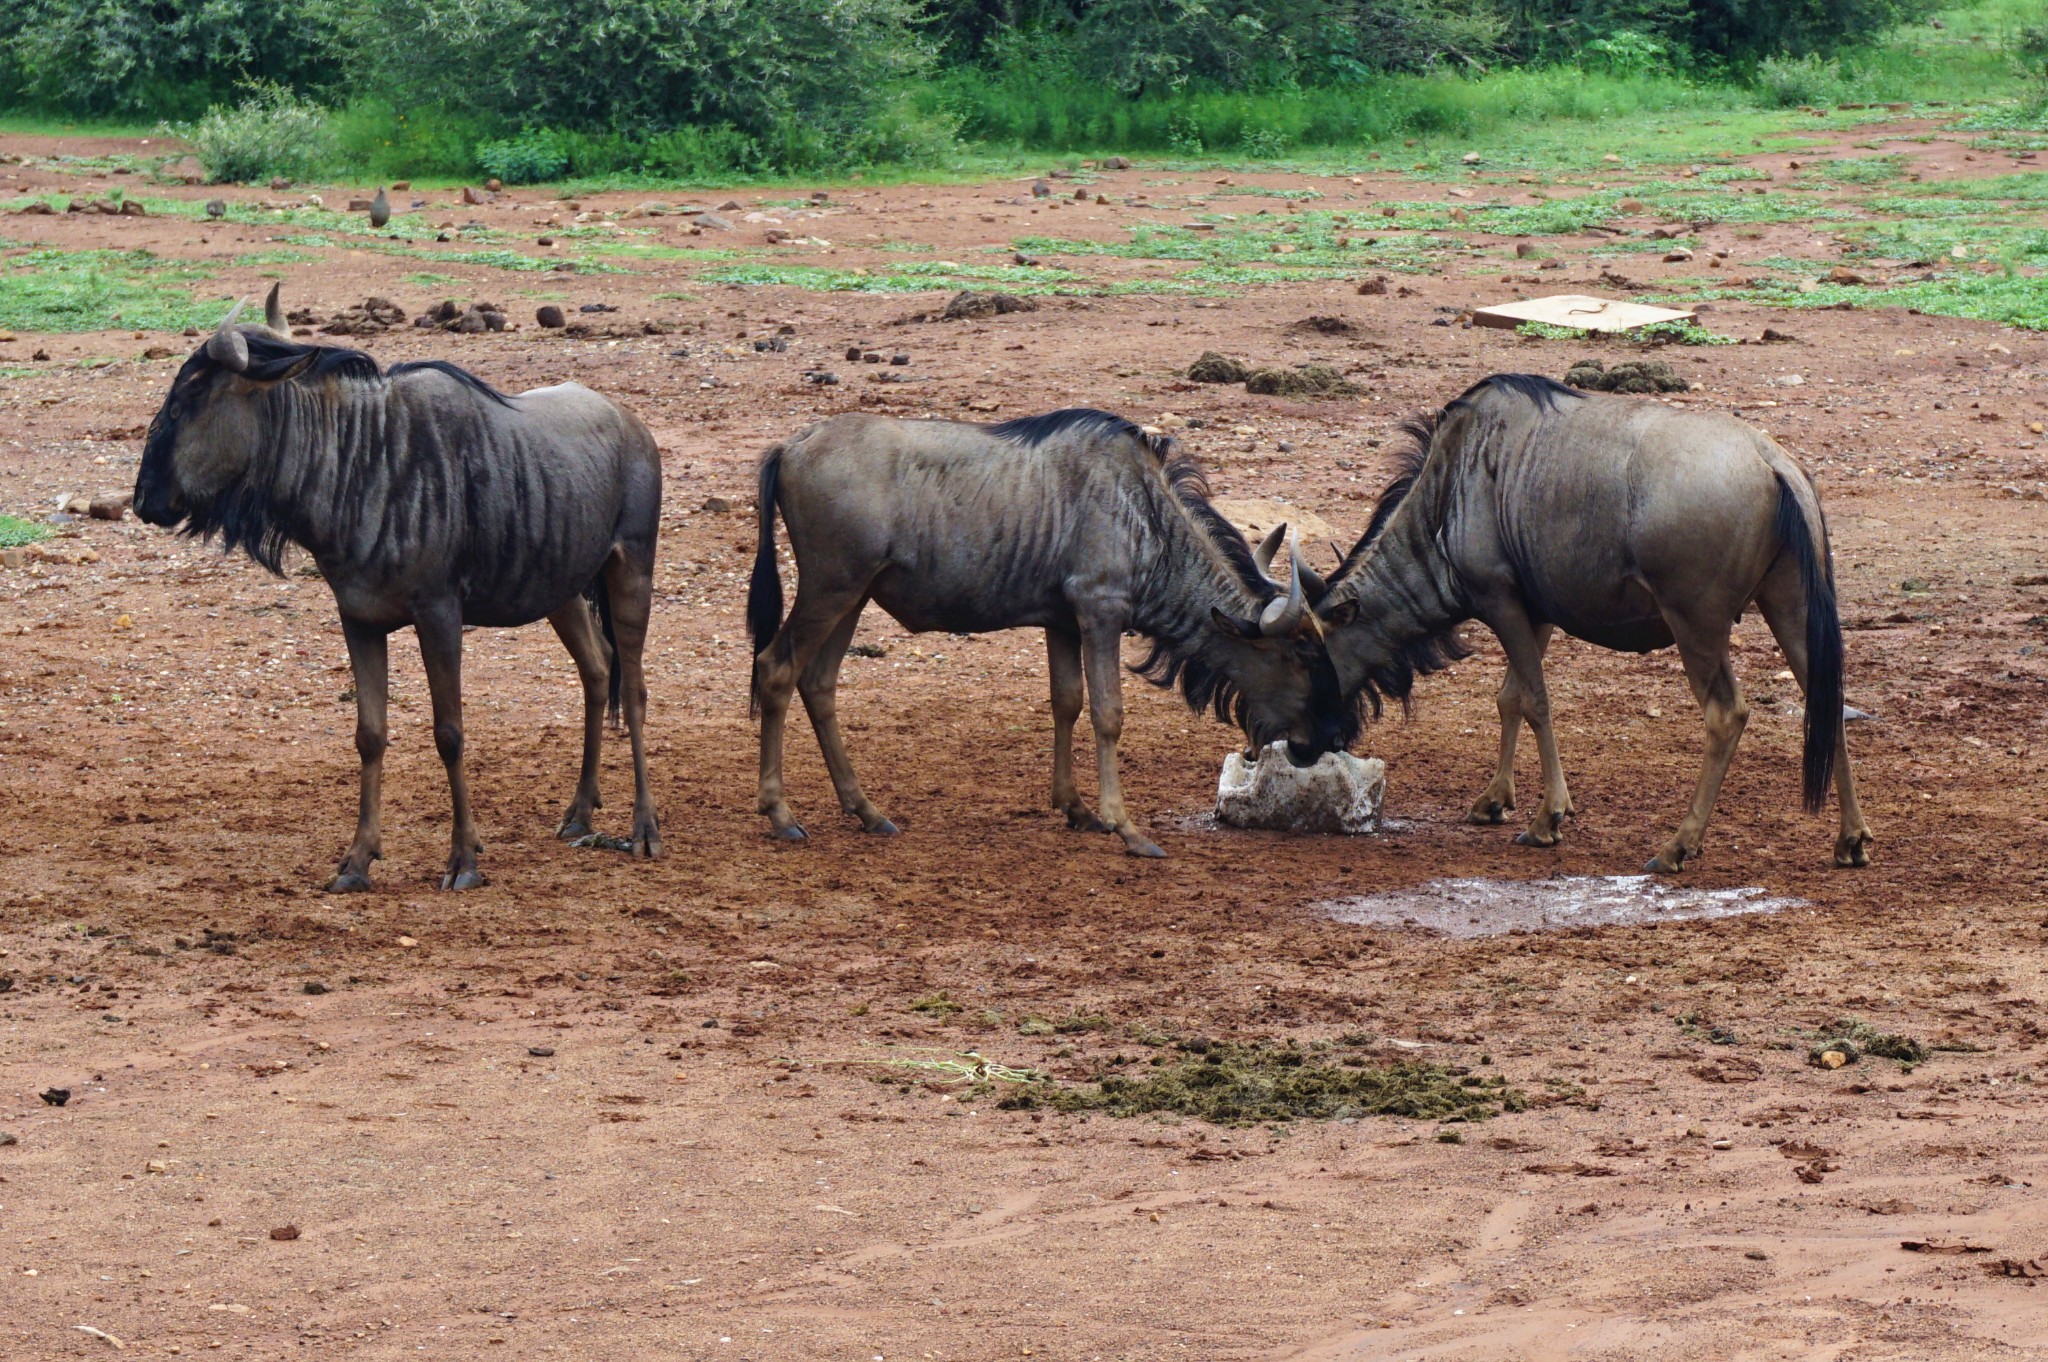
717	505
156	1166
541	1051
314	987
1470	158
544	241
493	185
408	942
713	222
472	195
1041	190
853	353
970	305
285	1233
110	505
1373	286
1677	257
822	378
899	359
8	1137
1842	275
550	317
280	184
132	208
1115	163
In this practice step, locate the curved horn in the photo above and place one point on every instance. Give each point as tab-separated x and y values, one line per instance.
1270	545
1283	614
227	347
273	313
1312	581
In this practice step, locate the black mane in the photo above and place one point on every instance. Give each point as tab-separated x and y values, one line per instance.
1036	430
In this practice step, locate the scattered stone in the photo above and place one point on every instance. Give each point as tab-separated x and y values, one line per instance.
1629	376
1310	380
822	378
717	505
899	359
541	1051
712	222
969	305
1115	163
284	1234
1773	336
279	184
132	208
1842	275
1324	326
110	505
1677	257
550	317
314	987
8	1137
1041	190
472	195
1214	367
56	1097
1374	286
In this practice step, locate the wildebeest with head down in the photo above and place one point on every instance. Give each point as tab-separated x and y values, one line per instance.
1076	522
1533	507
427	498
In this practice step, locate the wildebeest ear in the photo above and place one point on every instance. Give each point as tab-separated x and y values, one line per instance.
1340	614
1233	627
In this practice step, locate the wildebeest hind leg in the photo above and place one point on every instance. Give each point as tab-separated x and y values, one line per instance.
813	619
439	627
578	631
1499	795
1782	602
1101	659
1063	658
819	686
630	585
1704	650
368	656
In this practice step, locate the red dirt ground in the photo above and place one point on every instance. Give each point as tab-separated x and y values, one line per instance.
703	1165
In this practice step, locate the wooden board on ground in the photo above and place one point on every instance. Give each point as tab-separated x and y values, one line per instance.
1578	310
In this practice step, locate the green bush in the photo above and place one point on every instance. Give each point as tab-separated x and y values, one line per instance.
529	158
271	132
1791	82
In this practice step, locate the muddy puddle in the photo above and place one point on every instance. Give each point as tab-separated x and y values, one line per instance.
1487	907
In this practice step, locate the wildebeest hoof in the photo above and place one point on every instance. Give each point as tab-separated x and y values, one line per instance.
1665	863
793	833
1085	821
881	828
1135	845
1853	852
573	829
349	882
462	879
646	846
1488	813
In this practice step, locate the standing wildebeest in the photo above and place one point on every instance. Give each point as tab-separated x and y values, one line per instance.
1532	507
426	498
1076	522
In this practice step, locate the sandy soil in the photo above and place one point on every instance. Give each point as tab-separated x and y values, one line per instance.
605	1109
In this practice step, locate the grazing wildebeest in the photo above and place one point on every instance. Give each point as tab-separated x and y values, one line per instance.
1533	507
426	498
1076	522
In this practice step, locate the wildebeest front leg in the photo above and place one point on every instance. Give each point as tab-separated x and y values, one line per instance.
630	585
1101	657
1499	795
440	632
576	628
1524	642
1704	649
1063	659
368	658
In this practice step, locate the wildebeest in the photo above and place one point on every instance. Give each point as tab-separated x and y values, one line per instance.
427	498
1532	507
1076	522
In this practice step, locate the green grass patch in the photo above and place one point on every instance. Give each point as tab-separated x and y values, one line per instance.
57	290
2019	300
1239	1085
644	250
428	279
15	532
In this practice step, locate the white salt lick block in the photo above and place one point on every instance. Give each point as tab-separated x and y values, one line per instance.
1340	793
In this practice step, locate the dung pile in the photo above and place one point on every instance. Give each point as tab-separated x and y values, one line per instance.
447	316
1310	380
1846	1040
371	317
1237	1085
968	305
1629	376
1214	367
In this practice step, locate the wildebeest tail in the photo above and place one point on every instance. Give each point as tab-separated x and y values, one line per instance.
764	590
1824	686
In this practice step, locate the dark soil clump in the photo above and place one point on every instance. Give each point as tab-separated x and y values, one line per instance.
969	305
